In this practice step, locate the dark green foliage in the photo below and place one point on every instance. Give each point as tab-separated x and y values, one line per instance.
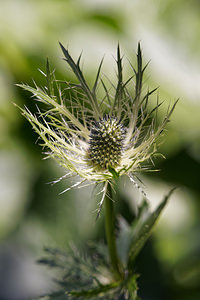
88	275
81	273
142	227
91	94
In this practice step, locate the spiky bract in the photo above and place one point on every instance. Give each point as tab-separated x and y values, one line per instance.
93	137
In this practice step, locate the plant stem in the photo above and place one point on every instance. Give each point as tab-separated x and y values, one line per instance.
110	232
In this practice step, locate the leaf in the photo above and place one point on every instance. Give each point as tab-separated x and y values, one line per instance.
144	231
132	287
127	232
123	239
80	273
97	77
119	88
139	73
77	71
49	79
102	289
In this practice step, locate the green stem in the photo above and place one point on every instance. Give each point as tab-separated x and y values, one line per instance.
110	232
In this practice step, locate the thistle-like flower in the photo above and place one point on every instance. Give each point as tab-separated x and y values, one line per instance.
93	137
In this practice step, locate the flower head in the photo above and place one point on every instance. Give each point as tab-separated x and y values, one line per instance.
92	137
106	143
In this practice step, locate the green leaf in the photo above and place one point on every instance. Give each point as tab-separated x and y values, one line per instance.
144	231
97	77
119	89
49	79
83	84
124	238
127	232
139	73
102	289
132	287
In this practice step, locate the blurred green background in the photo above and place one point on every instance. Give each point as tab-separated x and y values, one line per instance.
32	213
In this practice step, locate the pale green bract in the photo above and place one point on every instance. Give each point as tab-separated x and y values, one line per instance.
72	110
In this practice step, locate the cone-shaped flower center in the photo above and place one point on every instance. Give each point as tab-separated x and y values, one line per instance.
106	143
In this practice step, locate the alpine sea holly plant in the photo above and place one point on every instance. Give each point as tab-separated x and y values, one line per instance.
98	140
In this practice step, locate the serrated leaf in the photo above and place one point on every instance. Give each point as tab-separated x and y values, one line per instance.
144	231
83	84
102	289
50	263
119	88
